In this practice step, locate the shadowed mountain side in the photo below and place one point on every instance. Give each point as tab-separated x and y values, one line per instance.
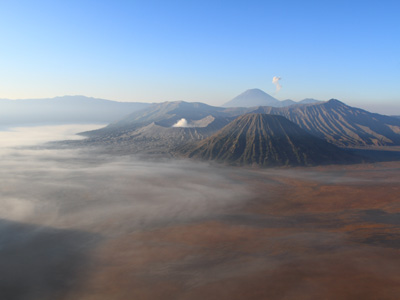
39	262
341	124
266	140
66	109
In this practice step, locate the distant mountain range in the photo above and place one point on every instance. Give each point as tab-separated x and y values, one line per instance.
333	121
257	97
66	109
303	134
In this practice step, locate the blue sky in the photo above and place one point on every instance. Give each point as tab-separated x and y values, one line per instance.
208	51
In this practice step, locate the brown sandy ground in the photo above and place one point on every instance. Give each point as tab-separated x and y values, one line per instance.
307	233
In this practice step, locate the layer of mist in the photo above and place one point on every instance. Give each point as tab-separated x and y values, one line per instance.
57	204
80	188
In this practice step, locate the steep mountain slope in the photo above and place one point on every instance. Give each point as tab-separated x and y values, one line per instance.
266	140
67	109
341	124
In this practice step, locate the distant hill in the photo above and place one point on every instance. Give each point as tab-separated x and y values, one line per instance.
289	102
266	140
308	101
66	109
286	102
257	97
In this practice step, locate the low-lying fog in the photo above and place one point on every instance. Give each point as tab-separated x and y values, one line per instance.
81	189
58	202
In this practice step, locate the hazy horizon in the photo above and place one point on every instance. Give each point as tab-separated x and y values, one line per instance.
386	109
203	52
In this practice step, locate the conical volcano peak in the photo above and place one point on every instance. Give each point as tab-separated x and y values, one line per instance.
252	97
254	91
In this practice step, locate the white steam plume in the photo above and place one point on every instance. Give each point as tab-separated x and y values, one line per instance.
181	123
275	81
